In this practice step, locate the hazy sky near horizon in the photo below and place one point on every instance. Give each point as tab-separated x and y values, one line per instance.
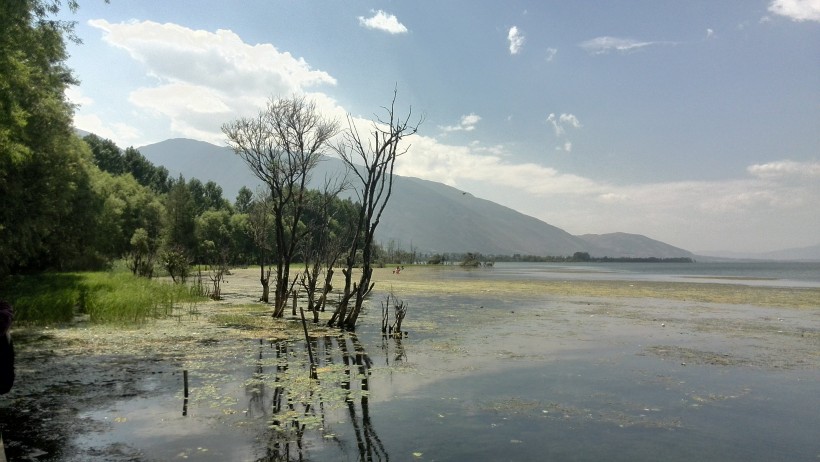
696	123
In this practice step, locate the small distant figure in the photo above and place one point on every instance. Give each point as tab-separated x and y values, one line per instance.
397	270
6	348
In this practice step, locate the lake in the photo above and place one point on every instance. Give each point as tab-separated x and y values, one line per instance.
486	375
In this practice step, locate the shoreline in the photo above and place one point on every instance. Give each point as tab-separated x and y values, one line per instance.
421	279
81	369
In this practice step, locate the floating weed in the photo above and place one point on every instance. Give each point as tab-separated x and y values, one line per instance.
423	280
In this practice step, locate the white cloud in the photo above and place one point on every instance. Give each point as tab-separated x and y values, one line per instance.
710	33
85	119
75	96
560	123
516	39
785	168
384	22
601	45
122	134
696	215
203	79
551	52
797	10
467	124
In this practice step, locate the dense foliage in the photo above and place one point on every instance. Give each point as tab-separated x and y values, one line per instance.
71	204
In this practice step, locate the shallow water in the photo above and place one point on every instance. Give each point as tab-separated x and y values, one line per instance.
481	375
557	379
767	274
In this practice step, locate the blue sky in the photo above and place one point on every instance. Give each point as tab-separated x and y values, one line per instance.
695	123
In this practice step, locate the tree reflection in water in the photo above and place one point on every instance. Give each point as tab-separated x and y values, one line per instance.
302	413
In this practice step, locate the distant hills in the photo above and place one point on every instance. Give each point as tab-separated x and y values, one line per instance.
811	253
423	215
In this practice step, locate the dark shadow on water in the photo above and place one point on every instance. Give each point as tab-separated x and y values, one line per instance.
298	419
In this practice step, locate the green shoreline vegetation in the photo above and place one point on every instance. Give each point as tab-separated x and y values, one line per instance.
118	297
103	297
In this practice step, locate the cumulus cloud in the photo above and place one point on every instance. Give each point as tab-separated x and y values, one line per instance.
560	123
602	45
201	79
206	78
467	124
516	39
384	22
695	215
85	119
797	10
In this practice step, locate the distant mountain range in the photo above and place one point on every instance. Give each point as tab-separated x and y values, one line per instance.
422	215
811	253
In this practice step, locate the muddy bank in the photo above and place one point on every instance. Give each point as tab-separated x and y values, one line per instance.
88	393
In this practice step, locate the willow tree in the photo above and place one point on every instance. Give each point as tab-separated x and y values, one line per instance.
370	161
281	145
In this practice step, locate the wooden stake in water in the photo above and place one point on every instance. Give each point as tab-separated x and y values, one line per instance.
185	381
313	373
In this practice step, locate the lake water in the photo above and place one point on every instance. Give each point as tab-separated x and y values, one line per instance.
485	378
774	274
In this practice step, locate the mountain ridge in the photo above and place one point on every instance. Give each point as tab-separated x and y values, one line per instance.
422	215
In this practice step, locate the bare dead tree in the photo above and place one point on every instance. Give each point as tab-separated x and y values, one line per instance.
281	145
399	313
259	220
319	248
370	162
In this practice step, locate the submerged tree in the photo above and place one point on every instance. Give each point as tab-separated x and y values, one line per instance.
371	161
281	145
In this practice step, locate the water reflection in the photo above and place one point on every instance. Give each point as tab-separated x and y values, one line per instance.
327	414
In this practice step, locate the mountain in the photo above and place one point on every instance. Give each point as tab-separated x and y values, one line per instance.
423	215
634	245
809	254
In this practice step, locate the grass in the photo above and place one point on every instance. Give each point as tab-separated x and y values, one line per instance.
105	297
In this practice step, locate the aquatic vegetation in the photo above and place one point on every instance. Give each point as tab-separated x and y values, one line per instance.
99	297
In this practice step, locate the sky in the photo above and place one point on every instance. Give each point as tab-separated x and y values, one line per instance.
695	123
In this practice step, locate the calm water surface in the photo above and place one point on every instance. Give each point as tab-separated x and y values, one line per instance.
487	379
775	274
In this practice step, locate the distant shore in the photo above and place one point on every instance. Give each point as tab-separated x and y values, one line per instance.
424	279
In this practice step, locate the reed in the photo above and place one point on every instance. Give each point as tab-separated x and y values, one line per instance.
104	297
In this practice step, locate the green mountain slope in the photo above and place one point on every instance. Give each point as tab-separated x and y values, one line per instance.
422	215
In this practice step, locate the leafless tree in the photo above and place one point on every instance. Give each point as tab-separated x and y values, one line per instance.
322	247
259	220
281	145
370	162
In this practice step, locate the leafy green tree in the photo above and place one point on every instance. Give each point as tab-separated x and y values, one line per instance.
146	174
42	167
213	197
179	221
141	257
243	245
127	206
107	155
197	191
215	226
243	200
